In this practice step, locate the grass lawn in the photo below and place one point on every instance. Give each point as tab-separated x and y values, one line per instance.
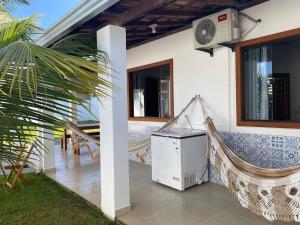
45	202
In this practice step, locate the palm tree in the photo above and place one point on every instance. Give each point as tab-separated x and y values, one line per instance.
37	83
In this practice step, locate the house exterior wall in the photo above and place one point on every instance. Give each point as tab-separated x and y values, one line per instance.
214	78
194	73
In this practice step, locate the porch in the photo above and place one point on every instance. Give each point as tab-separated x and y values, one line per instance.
152	203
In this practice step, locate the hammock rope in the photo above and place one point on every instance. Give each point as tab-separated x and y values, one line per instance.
271	193
133	145
82	134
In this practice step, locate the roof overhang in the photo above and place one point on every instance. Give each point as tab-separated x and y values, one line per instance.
79	15
136	16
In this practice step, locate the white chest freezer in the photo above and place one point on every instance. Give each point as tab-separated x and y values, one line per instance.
179	157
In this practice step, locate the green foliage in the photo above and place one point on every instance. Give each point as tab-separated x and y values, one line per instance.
38	83
11	4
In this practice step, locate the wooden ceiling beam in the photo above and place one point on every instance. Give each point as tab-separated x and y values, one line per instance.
138	11
174	13
159	24
250	4
160	36
109	16
234	3
137	39
146	31
142	13
132	34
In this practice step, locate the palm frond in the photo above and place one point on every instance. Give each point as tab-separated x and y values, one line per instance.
9	5
37	83
18	29
5	17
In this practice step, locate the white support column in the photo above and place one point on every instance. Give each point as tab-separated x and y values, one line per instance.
73	113
114	126
48	151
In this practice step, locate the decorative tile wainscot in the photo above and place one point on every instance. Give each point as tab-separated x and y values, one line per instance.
267	151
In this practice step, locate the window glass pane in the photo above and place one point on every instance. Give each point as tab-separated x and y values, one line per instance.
271	73
257	74
150	92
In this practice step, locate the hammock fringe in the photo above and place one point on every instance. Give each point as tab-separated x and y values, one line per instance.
271	193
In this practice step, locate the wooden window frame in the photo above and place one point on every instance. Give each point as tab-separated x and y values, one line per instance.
240	110
129	88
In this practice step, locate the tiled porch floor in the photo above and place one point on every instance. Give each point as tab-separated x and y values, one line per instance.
80	174
154	204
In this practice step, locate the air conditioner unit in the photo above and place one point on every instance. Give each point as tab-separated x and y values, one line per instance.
216	29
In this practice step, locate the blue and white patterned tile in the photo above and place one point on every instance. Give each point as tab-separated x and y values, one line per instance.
292	143
213	176
265	153
278	164
136	133
277	154
266	150
263	141
277	142
241	150
291	157
252	156
241	139
229	139
265	163
252	140
226	136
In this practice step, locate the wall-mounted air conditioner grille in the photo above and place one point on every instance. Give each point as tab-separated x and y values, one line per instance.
205	32
218	28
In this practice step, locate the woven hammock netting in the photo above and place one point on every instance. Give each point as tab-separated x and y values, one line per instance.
133	145
271	193
275	198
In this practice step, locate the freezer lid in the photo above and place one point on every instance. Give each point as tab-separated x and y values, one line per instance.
179	133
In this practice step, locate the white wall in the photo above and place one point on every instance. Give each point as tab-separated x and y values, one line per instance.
194	72
214	77
93	105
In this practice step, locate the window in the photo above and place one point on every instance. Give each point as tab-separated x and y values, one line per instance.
268	81
150	91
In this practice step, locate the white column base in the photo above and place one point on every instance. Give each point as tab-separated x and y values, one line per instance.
53	170
123	211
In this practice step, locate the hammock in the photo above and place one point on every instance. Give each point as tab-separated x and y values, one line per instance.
93	143
271	193
144	142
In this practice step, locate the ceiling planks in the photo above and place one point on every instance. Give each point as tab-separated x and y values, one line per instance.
171	16
139	10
